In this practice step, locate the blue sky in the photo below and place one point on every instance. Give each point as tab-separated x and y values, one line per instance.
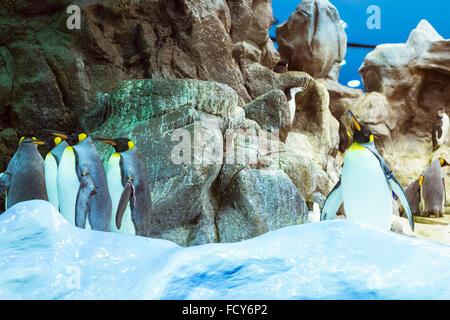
398	18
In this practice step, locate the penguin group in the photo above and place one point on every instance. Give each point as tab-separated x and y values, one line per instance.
426	194
73	179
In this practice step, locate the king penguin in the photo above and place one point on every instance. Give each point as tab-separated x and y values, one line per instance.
128	185
51	164
412	192
365	185
24	178
82	186
432	189
440	129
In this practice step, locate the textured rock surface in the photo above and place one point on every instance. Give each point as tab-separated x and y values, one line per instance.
57	76
315	120
196	190
259	201
313	39
177	126
415	79
271	112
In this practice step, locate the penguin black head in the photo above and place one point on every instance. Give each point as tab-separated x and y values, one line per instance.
76	138
58	135
361	133
119	144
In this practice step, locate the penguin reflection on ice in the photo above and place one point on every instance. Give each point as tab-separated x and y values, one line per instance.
24	178
366	184
128	185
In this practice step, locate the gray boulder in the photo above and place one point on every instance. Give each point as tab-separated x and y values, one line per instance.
313	39
259	201
177	127
271	112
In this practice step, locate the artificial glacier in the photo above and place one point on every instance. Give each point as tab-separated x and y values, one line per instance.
45	257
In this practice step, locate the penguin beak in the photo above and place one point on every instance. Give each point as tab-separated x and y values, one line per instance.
62	136
111	143
354	120
55	133
38	142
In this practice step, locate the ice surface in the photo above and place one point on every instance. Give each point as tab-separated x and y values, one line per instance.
45	257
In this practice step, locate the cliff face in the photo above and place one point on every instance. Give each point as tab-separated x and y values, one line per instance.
57	76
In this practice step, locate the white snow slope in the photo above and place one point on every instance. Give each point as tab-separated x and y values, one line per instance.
45	257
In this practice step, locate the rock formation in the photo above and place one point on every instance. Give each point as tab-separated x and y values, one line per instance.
313	39
227	156
186	131
413	79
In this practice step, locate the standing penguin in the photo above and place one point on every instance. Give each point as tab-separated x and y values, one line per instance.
412	192
51	164
365	184
82	186
128	184
24	178
432	189
440	129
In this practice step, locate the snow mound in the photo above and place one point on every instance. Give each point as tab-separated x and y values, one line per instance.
44	257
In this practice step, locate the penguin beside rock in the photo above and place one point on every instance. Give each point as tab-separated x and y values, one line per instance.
128	185
24	178
366	184
82	186
440	129
412	192
432	189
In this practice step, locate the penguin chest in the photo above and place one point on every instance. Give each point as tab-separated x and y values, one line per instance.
51	170
432	194
114	177
68	185
367	196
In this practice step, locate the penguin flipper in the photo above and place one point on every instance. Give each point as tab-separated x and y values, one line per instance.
398	190
128	194
5	181
82	207
445	195
332	203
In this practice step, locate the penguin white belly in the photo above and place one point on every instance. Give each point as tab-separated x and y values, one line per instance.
51	170
68	186
114	177
367	196
291	103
